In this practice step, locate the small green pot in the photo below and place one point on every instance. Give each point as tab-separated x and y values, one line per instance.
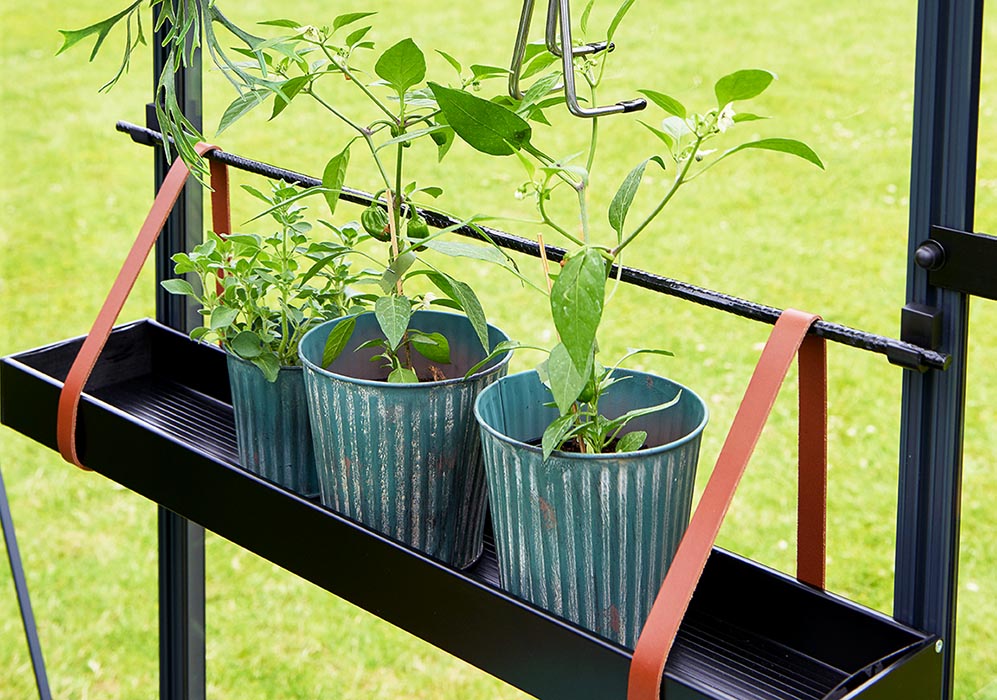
403	459
272	427
589	537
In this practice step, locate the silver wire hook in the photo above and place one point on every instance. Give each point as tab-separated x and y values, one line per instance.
559	13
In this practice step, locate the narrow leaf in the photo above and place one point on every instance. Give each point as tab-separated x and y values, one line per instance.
631	442
457	249
618	17
624	196
665	138
468	300
451	60
287	92
241	106
565	381
339	336
555	434
791	146
402	66
500	349
484	125
393	314
742	85
669	104
576	303
334	176
349	18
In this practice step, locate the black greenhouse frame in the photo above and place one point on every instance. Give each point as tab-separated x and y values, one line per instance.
943	265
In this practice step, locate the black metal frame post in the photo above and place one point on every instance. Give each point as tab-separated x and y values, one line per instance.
181	542
943	173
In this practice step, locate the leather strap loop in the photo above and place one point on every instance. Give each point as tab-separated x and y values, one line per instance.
86	359
790	333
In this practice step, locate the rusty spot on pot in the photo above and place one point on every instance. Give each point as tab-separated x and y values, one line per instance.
548	514
613	614
346	465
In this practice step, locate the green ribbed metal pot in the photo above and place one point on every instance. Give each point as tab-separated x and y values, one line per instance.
589	537
272	426
403	459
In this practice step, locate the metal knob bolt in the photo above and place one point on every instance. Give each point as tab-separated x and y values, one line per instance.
930	255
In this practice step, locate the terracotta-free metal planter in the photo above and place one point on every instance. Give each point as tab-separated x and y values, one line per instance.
272	427
403	459
589	537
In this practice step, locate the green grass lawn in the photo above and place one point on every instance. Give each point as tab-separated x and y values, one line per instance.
767	228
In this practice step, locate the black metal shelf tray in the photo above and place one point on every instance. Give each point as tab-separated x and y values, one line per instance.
157	419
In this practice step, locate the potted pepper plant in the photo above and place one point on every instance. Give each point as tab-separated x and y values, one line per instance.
590	467
402	365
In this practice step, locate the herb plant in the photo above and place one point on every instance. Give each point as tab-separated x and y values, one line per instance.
260	294
501	127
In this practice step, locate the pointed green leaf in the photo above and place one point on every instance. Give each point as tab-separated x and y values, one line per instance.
402	66
451	60
747	117
247	345
355	37
484	125
742	85
791	146
665	138
288	90
565	381
585	15
631	442
669	104
288	23
458	249
433	346
339	336
403	375
500	349
555	434
349	18
576	303
393	314
222	317
468	300
72	37
624	197
179	286
241	106
334	176
618	17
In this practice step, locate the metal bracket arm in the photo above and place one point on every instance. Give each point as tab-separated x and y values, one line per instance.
960	260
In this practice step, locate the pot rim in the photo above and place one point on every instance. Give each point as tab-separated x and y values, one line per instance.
229	353
657	449
503	359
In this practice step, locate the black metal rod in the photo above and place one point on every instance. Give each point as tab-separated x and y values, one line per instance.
182	665
900	353
23	599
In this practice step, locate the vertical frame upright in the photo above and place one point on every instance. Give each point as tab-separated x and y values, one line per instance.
181	542
942	192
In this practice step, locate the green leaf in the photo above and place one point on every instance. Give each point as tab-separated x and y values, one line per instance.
349	18
576	303
247	345
334	176
269	365
288	90
742	85
585	15
339	336
665	138
618	17
539	64
403	375
222	317
452	61
484	125
241	106
500	349
289	23
791	146
624	196
566	382
480	72
101	29
457	249
631	442
538	90
393	314
669	104
179	286
433	346
402	66
747	117
354	38
468	300
555	434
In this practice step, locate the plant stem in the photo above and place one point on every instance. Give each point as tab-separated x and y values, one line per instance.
550	222
349	74
362	131
679	179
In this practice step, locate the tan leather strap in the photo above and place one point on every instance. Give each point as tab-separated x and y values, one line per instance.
648	665
86	359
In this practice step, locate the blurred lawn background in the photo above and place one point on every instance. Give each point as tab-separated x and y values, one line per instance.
765	227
